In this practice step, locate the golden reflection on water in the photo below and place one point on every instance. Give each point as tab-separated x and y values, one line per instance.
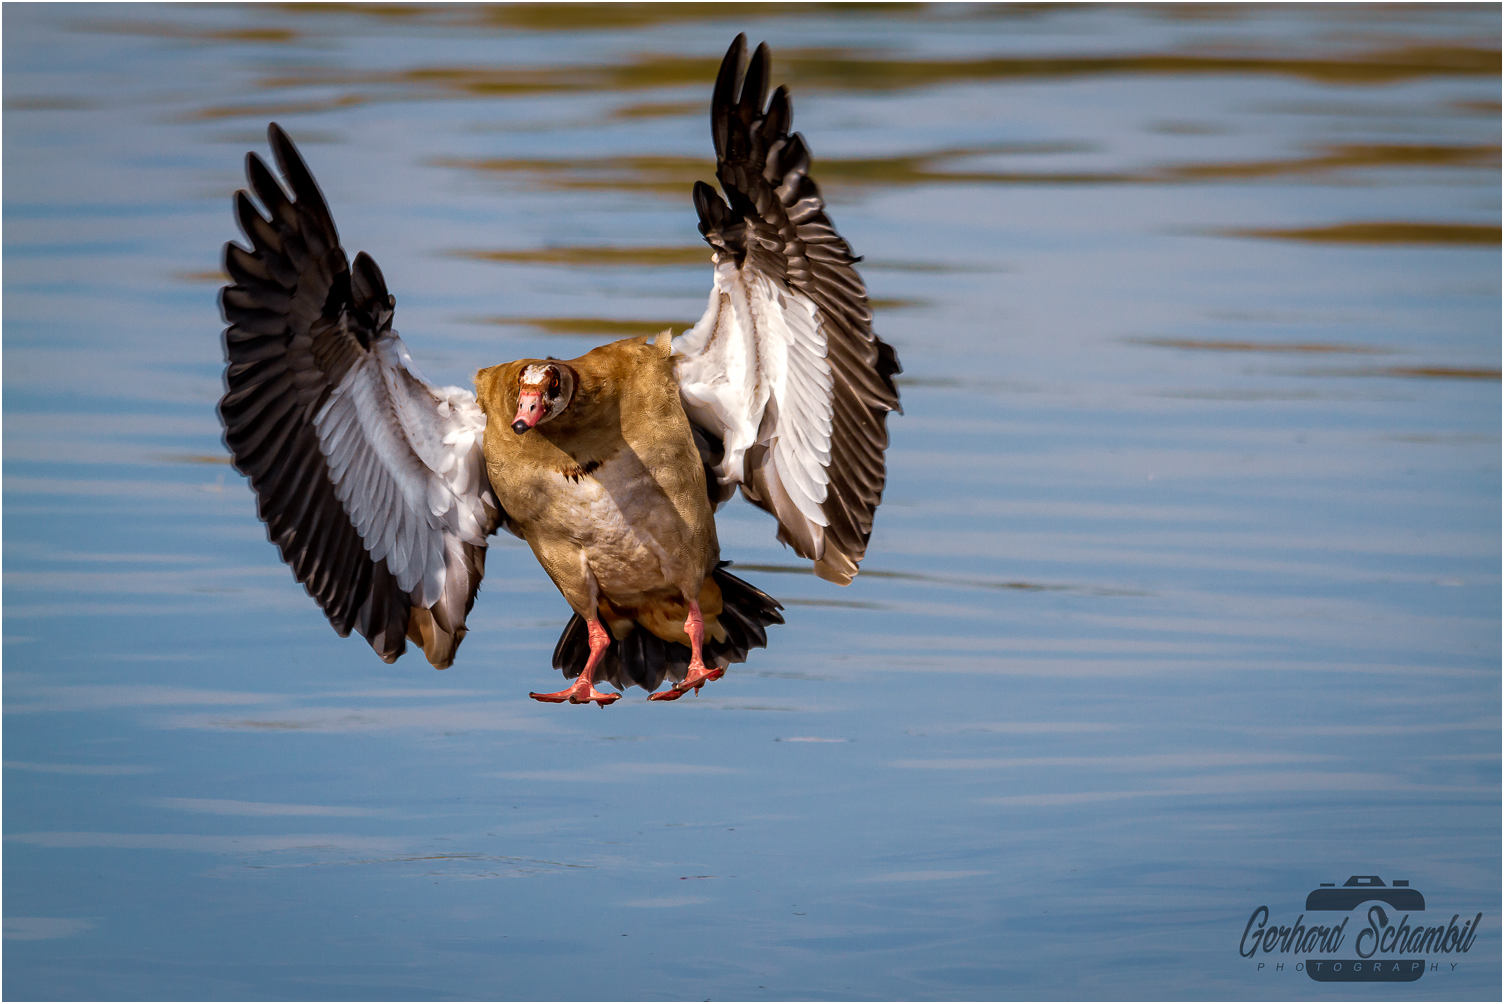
1209	345
811	69
673	176
619	327
603	327
1379	232
592	255
670	175
1345	156
1414	372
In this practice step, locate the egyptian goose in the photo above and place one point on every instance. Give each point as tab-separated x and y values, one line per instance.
381	490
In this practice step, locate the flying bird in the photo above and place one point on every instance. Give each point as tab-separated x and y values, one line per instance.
381	491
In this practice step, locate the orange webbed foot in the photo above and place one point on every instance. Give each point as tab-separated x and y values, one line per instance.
583	692
696	679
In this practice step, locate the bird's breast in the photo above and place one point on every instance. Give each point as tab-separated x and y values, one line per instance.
617	515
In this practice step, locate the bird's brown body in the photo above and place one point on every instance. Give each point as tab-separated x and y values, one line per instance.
610	495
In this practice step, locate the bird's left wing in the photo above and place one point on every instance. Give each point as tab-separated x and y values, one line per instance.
783	371
371	481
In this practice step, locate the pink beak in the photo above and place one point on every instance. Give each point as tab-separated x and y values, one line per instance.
529	411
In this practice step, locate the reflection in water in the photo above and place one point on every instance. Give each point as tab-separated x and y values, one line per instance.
1415	372
592	327
1348	156
673	175
595	256
41	928
471	716
1383	233
196	843
77	768
1184	595
44	698
1206	345
831	69
236	807
606	773
670	176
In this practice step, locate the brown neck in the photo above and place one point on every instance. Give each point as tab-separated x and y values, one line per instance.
590	428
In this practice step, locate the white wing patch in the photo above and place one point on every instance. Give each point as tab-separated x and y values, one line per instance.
801	384
407	467
755	368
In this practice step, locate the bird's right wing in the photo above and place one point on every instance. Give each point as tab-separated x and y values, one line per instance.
371	481
783	378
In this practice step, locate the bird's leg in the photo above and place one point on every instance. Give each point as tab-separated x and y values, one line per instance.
583	691
698	676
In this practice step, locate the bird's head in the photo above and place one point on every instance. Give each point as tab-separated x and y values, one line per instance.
544	390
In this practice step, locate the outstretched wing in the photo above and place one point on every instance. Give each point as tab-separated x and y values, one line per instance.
372	482
783	369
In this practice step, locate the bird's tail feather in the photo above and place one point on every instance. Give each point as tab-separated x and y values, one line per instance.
645	659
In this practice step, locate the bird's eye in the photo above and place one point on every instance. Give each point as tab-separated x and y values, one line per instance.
553	385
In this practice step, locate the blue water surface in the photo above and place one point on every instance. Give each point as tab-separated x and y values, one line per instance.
1183	599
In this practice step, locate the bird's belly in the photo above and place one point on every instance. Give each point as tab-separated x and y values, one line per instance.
629	551
621	524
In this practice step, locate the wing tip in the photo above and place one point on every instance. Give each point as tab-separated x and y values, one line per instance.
732	63
838	567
